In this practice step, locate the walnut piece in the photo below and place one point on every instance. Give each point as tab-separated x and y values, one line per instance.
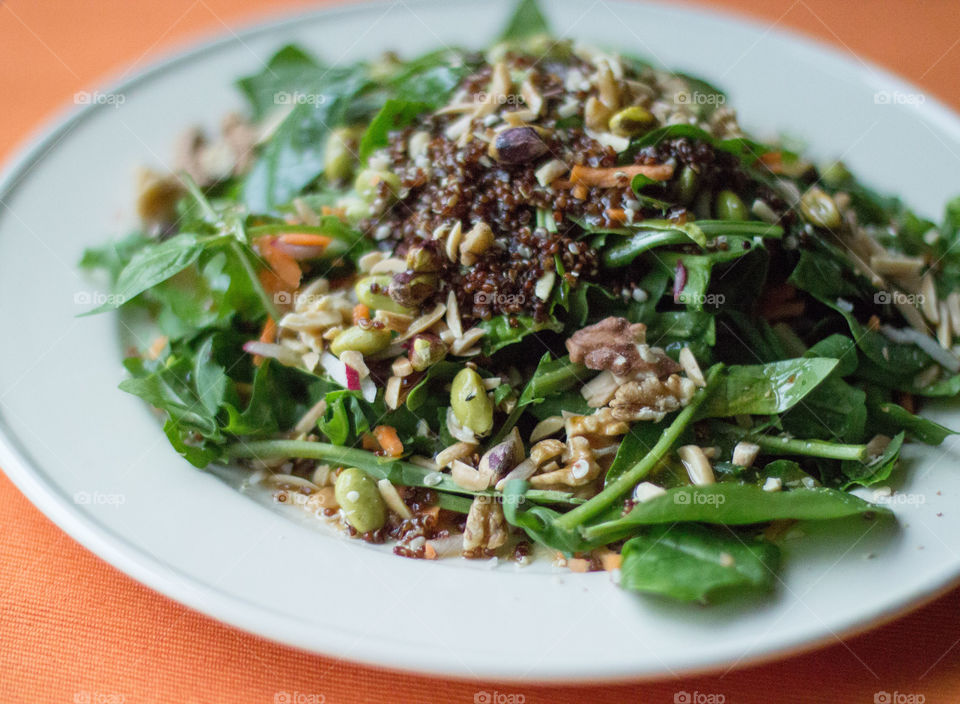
581	467
650	398
618	346
486	528
600	422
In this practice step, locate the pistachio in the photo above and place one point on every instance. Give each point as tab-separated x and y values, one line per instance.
425	257
687	184
819	209
632	122
373	291
470	403
356	339
834	174
426	350
367	183
338	155
360	500
410	289
728	206
516	145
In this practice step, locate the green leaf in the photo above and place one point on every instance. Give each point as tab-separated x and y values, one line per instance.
766	389
889	418
394	115
735	505
290	69
690	562
527	21
539	522
877	470
152	265
500	333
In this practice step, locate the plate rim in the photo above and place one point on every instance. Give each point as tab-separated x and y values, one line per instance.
237	612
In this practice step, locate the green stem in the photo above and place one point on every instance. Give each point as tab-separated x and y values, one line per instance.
629	479
255	280
782	445
397	471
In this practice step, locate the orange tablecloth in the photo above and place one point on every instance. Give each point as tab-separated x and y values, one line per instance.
73	629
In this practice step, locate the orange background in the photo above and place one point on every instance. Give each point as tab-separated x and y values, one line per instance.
73	629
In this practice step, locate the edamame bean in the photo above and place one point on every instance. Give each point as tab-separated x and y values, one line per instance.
470	402
360	500
728	206
365	341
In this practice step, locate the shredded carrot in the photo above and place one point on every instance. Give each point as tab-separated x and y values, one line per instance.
304	239
156	347
618	175
340	212
773	161
360	312
369	443
429	552
389	442
282	264
433	511
578	564
580	191
269	332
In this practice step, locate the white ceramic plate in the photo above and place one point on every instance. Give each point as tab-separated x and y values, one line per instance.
94	459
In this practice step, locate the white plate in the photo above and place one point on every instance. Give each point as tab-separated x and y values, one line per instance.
94	459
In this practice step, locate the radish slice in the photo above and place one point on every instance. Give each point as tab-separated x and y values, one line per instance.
679	281
353	378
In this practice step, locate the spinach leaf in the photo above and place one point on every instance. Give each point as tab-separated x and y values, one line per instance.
500	332
539	522
875	471
634	446
431	78
552	377
766	389
691	562
527	21
733	505
889	418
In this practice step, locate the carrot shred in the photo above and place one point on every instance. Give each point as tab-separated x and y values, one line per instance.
617	175
269	332
360	312
281	264
340	212
305	239
369	443
773	161
610	561
389	441
578	564
616	214
429	552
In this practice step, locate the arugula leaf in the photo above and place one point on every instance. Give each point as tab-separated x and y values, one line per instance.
289	70
690	562
527	21
500	333
430	78
394	115
766	389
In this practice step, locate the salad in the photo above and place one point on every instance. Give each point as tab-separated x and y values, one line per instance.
539	299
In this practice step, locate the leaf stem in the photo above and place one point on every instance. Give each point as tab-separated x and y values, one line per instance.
623	484
783	445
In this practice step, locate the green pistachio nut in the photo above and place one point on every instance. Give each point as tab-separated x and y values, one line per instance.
820	209
687	184
423	258
426	350
728	206
367	341
374	292
834	174
360	500
632	122
410	288
338	154
470	402
367	183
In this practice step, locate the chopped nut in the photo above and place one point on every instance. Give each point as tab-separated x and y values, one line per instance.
581	467
616	345
691	368
391	395
547	427
516	145
486	527
745	453
645	491
697	465
392	499
401	367
546	450
649	398
601	422
598	391
475	242
469	478
457	451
